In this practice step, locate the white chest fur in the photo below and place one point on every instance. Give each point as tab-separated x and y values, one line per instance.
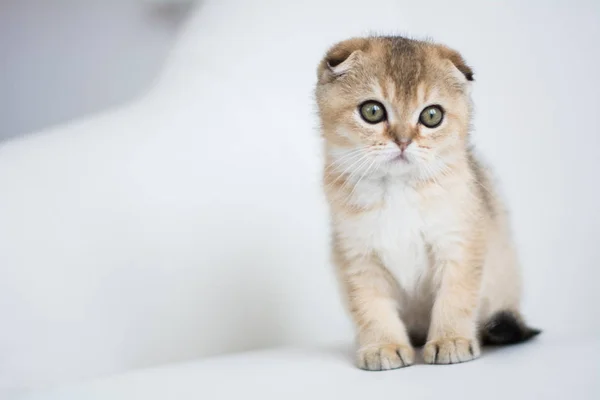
393	230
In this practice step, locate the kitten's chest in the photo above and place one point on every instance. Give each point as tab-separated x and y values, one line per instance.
395	231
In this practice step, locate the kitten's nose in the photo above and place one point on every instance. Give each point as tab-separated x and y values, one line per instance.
403	144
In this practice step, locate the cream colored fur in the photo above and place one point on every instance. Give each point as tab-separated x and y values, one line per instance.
422	246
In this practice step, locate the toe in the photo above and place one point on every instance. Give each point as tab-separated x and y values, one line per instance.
450	351
385	357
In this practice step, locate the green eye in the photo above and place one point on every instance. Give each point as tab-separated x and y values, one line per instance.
372	111
431	116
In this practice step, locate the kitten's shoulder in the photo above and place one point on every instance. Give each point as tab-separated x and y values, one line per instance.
485	182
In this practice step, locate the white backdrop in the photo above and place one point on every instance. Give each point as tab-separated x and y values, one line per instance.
64	59
191	222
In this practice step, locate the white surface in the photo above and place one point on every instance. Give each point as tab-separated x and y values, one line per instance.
537	370
191	223
65	59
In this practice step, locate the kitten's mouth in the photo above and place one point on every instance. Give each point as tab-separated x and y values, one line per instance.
401	158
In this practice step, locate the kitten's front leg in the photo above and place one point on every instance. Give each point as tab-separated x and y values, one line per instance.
453	331
382	338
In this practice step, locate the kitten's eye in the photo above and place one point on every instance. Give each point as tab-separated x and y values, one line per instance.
372	111
431	116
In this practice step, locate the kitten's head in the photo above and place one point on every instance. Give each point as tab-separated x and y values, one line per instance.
394	105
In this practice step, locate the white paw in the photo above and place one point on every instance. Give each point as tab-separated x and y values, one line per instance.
451	351
385	356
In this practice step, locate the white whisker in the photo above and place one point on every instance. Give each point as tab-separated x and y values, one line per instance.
355	172
350	154
349	167
342	161
358	182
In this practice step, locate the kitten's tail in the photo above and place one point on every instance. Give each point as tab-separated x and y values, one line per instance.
507	327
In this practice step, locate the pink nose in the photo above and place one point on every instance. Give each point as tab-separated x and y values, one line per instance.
404	144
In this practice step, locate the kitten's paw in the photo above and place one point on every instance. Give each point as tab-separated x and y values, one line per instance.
385	356
451	351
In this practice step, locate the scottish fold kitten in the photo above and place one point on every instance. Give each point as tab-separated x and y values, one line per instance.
421	240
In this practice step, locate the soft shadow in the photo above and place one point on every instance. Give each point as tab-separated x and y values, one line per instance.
172	14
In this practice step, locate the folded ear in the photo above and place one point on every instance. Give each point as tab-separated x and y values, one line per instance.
340	59
458	62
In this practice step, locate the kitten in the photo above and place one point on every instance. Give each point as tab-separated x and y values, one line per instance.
420	239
